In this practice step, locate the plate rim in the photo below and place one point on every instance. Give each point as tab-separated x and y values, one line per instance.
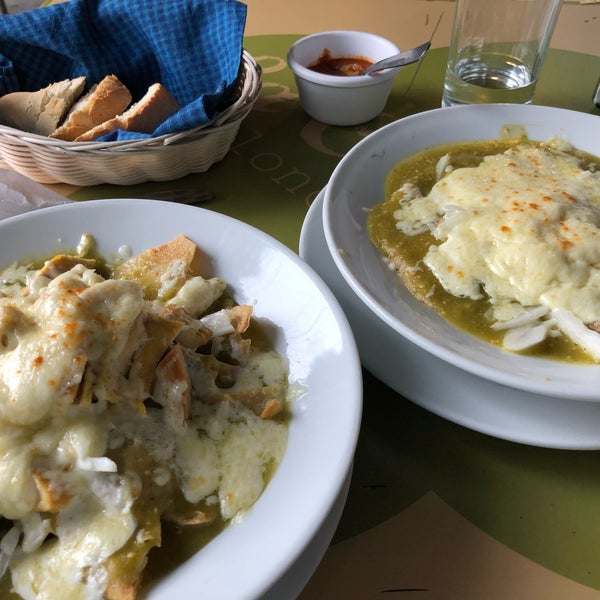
537	116
554	429
283	560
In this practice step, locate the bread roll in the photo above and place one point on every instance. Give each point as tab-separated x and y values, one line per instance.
142	117
40	112
104	101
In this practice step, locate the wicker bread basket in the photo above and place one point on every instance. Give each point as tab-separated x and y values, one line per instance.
163	158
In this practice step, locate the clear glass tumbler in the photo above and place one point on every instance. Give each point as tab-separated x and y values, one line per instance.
497	50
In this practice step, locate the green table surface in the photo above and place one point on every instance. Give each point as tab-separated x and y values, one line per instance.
543	504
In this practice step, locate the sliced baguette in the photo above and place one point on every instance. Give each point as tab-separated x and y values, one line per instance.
144	116
40	112
104	101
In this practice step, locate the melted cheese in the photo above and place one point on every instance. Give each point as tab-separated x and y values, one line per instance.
523	226
60	447
242	483
197	294
68	325
70	566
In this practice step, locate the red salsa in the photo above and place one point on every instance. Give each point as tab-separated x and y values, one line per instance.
345	66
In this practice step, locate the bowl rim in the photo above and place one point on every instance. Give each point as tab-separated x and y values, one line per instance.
335	81
98	216
553	377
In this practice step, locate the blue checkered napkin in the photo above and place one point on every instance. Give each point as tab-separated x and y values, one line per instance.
192	47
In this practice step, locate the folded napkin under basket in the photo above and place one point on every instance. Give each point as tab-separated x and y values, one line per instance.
163	158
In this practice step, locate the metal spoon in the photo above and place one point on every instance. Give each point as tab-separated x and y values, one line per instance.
398	60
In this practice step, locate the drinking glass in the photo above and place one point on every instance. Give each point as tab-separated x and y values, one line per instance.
497	50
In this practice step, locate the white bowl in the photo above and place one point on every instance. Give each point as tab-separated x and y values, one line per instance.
358	184
339	100
306	325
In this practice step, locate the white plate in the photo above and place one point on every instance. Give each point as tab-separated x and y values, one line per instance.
301	504
297	576
357	184
442	388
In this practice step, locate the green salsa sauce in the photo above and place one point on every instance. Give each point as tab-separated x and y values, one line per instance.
408	251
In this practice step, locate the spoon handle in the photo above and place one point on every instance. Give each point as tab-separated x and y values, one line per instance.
398	60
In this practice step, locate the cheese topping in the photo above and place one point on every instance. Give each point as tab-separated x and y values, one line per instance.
68	325
113	407
522	227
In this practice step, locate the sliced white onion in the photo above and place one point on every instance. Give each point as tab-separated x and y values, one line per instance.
35	531
441	166
576	330
520	338
529	315
98	464
7	546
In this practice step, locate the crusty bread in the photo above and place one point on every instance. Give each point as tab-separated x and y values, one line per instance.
60	112
104	101
144	116
40	112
